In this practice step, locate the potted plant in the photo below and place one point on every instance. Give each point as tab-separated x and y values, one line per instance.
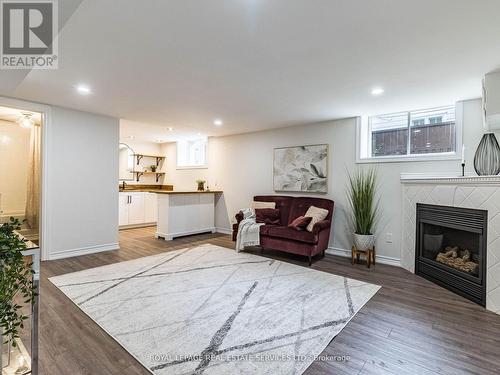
153	168
361	194
16	283
201	185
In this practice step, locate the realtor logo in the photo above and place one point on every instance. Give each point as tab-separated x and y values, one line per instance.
29	34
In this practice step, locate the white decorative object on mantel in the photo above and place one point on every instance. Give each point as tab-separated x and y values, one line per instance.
480	192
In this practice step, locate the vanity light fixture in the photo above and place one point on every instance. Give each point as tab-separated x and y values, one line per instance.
83	89
170	129
377	91
26	120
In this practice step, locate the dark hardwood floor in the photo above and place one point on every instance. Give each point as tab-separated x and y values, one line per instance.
410	326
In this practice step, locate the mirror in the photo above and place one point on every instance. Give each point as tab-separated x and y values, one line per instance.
126	163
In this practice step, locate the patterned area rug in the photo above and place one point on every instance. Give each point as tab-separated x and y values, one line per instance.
211	310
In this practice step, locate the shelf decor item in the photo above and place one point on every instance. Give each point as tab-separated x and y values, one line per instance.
153	168
201	185
487	157
361	194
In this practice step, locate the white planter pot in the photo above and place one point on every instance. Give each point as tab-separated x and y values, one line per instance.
364	242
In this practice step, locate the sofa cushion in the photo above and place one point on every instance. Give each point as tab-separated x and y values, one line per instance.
283	203
291	234
264	229
300	223
260	204
267	215
317	214
300	205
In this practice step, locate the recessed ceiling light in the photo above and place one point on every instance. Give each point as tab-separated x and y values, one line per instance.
377	91
198	134
170	129
218	122
83	89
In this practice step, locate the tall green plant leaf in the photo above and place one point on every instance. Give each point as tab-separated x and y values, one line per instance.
364	205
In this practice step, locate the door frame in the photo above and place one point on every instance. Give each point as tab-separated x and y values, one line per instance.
45	111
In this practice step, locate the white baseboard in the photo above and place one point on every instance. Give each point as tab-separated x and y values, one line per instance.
171	236
83	251
223	230
382	259
135	226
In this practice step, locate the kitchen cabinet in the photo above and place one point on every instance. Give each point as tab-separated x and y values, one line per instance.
151	207
185	213
137	208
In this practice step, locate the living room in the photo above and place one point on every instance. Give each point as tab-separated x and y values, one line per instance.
252	187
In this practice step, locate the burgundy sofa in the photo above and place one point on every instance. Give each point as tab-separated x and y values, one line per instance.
280	237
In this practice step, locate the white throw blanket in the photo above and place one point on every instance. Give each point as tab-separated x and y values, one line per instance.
248	230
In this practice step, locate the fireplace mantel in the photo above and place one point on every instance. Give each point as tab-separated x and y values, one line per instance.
479	192
412	178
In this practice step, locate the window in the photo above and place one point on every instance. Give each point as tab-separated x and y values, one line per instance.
429	132
435	120
192	153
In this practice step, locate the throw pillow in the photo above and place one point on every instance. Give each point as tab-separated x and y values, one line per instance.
267	215
317	214
256	204
300	223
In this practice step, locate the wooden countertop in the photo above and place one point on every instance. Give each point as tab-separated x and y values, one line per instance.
185	192
142	190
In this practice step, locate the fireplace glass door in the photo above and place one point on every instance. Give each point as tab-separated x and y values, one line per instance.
451	248
456	250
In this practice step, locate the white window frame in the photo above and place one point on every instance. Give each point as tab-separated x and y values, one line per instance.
201	166
364	152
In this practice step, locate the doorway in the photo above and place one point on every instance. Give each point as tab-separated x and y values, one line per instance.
20	169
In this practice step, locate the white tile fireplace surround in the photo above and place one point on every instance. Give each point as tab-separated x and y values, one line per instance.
468	192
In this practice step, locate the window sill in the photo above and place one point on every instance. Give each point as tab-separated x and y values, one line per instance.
407	158
191	167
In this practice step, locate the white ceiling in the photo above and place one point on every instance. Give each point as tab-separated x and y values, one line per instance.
143	132
264	64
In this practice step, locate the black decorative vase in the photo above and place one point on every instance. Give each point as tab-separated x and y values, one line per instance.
487	157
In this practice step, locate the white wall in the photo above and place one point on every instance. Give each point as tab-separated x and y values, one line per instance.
14	150
242	165
182	179
82	174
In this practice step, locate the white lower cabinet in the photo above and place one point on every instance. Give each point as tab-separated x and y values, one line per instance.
182	214
137	208
151	207
123	210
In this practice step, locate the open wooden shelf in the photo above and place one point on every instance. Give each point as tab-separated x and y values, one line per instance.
157	157
139	174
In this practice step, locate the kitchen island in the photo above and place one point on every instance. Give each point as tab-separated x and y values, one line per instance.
181	213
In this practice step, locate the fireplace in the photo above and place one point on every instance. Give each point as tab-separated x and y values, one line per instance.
451	249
